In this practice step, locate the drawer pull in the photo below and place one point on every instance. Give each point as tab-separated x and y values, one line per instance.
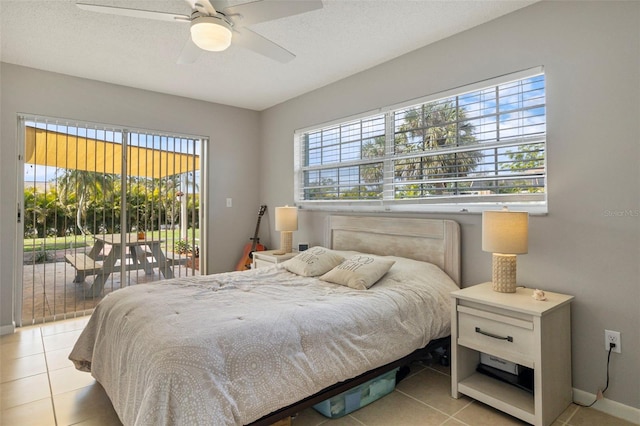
495	336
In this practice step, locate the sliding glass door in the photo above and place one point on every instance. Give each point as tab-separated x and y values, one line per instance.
104	207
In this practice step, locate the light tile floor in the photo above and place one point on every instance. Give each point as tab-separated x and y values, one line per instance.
40	386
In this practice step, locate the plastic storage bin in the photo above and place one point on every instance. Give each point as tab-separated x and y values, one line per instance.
358	397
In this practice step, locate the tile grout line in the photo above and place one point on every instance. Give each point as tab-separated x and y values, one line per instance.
562	423
46	364
572	414
425	404
356	420
460	410
449	416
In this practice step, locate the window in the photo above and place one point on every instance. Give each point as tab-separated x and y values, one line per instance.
467	149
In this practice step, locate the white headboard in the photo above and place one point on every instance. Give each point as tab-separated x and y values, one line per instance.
430	240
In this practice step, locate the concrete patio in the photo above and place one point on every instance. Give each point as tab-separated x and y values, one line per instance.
49	293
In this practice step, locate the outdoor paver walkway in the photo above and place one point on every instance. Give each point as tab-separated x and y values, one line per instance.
50	294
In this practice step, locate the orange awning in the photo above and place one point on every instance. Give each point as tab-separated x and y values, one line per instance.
55	149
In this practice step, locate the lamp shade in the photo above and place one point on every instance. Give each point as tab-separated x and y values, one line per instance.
505	232
211	33
286	218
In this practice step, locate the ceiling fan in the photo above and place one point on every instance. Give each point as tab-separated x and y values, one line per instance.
215	24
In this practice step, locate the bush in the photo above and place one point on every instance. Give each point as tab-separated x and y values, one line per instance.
182	246
42	257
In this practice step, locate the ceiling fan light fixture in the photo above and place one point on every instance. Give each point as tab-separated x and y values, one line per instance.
211	33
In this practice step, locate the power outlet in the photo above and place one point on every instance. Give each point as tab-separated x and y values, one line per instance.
612	337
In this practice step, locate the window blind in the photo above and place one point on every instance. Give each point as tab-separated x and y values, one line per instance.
478	144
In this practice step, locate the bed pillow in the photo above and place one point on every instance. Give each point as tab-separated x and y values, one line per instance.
313	262
359	272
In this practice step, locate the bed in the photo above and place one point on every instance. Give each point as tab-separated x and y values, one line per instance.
255	346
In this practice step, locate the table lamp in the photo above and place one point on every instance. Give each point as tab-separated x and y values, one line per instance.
505	234
286	223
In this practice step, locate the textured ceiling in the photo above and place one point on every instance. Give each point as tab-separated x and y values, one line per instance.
339	40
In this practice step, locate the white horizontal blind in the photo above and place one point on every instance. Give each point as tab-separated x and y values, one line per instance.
484	145
345	161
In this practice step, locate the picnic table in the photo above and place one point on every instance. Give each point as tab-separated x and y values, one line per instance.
142	254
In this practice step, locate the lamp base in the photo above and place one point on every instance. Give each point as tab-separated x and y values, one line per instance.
503	274
286	239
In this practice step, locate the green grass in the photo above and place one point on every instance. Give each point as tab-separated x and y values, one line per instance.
53	243
74	241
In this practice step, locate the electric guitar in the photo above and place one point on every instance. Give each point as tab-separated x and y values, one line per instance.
254	245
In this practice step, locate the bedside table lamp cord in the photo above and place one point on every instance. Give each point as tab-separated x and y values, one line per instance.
600	394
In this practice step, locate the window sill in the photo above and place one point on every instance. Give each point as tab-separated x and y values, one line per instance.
381	207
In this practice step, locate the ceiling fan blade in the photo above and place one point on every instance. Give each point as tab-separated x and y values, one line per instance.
190	53
250	40
135	13
219	4
205	7
191	3
268	10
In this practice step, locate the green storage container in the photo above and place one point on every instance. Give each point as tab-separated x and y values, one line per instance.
358	397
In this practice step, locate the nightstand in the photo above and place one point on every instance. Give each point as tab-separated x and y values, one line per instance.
519	329
269	258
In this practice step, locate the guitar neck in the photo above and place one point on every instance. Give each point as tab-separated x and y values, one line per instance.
255	238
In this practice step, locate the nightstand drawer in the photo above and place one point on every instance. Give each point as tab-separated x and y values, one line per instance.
262	259
500	335
259	263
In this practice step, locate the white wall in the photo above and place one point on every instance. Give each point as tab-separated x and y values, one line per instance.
591	55
232	166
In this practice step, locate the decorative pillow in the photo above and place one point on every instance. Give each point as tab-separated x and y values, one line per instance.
313	262
359	272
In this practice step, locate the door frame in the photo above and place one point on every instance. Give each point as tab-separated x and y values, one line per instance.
18	254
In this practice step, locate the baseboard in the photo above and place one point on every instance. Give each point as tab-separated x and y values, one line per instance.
608	406
7	329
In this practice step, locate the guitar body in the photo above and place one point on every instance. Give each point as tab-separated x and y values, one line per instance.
247	252
247	256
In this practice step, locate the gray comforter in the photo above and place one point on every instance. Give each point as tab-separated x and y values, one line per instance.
231	348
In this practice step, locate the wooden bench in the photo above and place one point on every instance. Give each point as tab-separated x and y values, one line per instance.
174	259
84	265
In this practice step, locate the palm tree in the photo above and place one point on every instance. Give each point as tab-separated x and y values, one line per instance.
169	194
43	212
430	127
373	173
84	185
